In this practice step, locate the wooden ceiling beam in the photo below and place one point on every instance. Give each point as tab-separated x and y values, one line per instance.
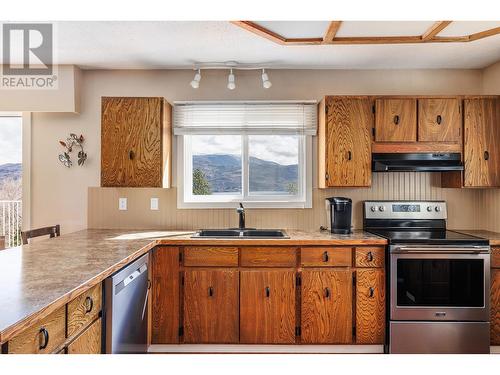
435	30
260	30
484	34
331	32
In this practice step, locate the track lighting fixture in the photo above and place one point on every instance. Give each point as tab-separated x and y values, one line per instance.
265	80
230	81
195	83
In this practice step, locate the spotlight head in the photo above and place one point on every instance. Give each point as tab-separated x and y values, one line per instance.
265	80
195	83
231	85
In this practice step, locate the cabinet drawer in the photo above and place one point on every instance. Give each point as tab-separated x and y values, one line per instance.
42	337
83	309
370	257
495	257
210	256
268	257
326	256
89	342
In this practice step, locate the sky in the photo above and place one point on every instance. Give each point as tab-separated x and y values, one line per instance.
276	148
10	140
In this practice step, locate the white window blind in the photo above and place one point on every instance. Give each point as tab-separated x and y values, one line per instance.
245	118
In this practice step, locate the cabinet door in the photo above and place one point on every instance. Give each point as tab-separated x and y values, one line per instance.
131	142
370	306
165	295
439	120
211	306
482	142
326	308
348	141
495	307
396	120
89	342
267	307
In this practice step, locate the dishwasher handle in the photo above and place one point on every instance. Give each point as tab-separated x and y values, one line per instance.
122	284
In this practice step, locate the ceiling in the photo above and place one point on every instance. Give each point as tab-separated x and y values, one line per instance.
164	45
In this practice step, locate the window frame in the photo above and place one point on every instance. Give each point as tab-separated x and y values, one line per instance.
186	200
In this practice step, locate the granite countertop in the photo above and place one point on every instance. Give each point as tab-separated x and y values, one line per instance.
494	237
37	279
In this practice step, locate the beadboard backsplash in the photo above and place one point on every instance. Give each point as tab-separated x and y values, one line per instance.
465	206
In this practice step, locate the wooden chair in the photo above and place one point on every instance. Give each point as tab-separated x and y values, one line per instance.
52	232
2	242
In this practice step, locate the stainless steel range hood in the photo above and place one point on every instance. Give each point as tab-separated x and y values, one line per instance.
417	162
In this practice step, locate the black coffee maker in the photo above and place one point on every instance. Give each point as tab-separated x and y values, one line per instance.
340	212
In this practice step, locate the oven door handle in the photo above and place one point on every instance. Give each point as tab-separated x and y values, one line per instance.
435	250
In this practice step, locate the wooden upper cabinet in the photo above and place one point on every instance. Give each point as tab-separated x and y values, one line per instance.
370	306
439	120
344	142
267	307
136	142
211	306
165	299
482	142
395	120
326	308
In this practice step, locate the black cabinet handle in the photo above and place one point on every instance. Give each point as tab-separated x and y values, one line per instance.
325	256
327	292
370	256
45	341
149	284
439	119
349	155
210	292
131	155
268	292
396	119
89	304
486	155
371	292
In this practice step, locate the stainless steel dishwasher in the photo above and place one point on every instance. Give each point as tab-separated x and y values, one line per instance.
126	316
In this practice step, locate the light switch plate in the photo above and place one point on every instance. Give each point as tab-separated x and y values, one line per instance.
155	204
122	204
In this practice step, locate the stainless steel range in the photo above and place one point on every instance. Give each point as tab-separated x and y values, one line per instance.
438	280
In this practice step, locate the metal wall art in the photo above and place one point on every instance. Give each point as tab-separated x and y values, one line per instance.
72	141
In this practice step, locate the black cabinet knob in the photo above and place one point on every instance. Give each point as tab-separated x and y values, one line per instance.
45	338
268	292
439	119
396	119
486	155
371	292
131	155
349	155
89	304
327	292
210	292
325	256
370	256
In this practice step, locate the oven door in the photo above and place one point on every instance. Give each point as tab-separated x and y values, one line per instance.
443	284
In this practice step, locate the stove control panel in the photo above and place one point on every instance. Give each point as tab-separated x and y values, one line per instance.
415	210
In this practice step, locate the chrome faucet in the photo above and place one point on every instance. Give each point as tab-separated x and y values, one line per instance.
241	211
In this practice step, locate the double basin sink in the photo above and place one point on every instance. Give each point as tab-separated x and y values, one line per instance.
241	233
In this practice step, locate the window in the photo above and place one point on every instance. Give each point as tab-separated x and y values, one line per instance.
256	153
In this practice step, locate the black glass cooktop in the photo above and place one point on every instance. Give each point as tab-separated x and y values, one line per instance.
443	237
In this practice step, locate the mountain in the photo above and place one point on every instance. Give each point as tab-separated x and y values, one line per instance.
223	172
11	171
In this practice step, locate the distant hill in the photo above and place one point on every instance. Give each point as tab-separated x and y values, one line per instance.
223	172
11	171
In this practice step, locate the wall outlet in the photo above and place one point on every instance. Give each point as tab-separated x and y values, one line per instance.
122	204
155	204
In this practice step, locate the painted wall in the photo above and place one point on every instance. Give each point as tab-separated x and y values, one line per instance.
59	195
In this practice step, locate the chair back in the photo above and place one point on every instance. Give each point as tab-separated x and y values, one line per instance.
2	242
54	231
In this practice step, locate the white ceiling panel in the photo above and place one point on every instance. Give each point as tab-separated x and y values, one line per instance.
296	29
383	28
461	28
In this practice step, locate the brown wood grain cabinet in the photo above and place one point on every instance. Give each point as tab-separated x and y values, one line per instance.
370	306
89	342
482	142
211	313
136	142
395	120
439	120
495	296
326	307
344	141
267	307
84	309
165	309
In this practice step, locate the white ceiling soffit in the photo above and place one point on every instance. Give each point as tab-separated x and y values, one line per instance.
176	45
383	28
296	29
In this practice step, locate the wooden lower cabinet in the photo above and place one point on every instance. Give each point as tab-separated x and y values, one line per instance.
267	307
211	313
326	307
370	306
495	307
89	342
